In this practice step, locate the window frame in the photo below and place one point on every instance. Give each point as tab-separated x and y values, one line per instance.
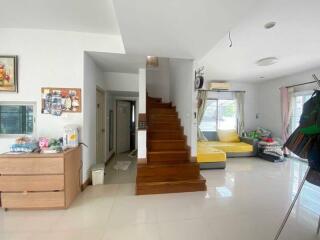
23	103
217	114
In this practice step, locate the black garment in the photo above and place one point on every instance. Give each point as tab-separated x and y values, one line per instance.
310	118
314	155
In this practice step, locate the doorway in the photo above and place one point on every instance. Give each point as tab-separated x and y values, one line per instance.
126	126
100	126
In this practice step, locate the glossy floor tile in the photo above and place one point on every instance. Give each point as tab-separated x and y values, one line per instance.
246	201
113	176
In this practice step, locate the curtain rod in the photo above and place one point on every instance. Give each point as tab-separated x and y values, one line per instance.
301	84
216	90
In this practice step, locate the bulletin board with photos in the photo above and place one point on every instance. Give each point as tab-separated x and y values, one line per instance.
55	101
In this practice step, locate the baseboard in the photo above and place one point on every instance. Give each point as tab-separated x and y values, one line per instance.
86	184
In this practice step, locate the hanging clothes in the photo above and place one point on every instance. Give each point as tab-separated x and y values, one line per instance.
310	118
305	141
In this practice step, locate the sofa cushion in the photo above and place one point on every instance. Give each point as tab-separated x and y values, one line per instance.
207	153
228	136
231	147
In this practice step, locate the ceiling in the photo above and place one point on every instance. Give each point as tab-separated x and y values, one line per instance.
68	15
187	29
295	41
177	28
122	63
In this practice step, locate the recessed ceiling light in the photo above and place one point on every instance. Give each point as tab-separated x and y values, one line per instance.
267	61
269	25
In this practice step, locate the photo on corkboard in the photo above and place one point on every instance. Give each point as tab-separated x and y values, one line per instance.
57	100
8	74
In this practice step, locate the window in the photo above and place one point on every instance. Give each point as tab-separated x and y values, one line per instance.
17	118
219	114
227	112
210	116
297	106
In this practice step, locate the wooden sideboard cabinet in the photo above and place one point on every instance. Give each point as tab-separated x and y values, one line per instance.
40	181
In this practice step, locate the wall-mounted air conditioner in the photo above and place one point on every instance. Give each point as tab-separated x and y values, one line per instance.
219	85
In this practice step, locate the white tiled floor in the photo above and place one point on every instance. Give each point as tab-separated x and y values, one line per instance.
247	201
119	176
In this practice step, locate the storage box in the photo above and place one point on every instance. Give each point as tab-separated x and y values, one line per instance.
97	174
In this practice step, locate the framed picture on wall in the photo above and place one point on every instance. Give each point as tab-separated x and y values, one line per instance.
8	73
57	100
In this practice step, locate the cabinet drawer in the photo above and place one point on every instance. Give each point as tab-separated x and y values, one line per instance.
25	166
33	200
31	183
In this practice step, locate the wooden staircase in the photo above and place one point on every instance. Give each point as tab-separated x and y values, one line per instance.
168	168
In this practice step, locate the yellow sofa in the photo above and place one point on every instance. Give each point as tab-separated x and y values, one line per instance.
213	154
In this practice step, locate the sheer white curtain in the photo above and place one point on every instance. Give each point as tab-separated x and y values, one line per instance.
239	96
286	110
202	99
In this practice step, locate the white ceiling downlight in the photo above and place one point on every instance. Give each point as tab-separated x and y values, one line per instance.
269	25
267	61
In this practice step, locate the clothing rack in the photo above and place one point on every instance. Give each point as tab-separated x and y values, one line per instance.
292	205
217	90
316	80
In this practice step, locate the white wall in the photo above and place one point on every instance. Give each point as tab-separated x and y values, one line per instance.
269	106
142	134
158	80
128	82
183	97
52	59
93	77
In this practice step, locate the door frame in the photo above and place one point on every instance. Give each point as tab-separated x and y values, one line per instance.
103	113
120	98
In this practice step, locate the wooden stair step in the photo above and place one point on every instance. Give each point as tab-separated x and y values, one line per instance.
154	145
162	117
163	129
190	185
159	128
164	124
165	135
167	172
158	156
163	111
159	105
153	99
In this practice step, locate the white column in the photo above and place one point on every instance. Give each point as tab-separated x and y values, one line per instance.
142	90
142	133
